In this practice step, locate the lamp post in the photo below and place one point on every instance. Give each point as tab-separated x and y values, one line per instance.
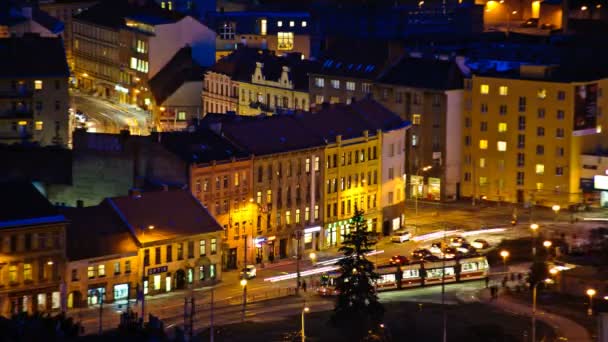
244	285
534	228
556	209
100	297
305	310
547	245
534	307
504	254
590	293
313	258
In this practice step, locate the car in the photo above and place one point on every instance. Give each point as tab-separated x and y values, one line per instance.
457	241
466	249
450	253
248	272
532	22
435	248
422	254
399	260
480	244
401	236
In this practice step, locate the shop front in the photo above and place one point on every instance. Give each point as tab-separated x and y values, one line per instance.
311	238
95	294
434	189
416	186
121	291
159	280
335	231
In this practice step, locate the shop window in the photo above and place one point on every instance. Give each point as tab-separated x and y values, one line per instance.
190	275
212	273
157	282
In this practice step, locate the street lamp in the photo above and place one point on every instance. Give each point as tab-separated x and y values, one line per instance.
313	257
244	285
556	209
504	254
534	228
305	310
534	307
590	293
548	245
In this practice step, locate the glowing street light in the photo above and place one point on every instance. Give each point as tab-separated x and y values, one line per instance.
244	285
534	227
590	293
547	243
556	209
305	310
504	254
313	257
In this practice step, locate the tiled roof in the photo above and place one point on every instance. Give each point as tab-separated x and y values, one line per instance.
202	146
24	205
20	57
112	13
429	73
95	232
179	70
171	213
51	23
339	59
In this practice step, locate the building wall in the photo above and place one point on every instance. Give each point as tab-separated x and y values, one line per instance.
107	275
392	161
44	255
498	177
170	38
453	143
169	273
328	93
349	185
225	189
220	93
181	107
287	195
39	115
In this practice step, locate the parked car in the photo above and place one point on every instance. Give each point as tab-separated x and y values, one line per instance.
422	254
436	248
401	236
480	244
450	253
532	22
457	241
399	260
466	249
248	272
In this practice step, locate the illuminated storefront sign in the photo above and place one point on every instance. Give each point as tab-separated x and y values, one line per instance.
600	182
312	229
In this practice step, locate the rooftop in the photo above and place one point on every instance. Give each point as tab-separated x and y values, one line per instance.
179	70
112	13
161	215
20	57
24	205
428	73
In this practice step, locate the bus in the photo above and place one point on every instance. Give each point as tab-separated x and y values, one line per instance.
417	274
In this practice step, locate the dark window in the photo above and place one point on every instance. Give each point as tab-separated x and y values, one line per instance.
540	131
520	159
521	141
190	249
180	251
169	256
522	123
520	178
146	257
260	174
13	243
28	242
522	104
157	255
540	150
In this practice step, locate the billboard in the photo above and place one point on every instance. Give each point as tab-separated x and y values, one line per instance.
600	182
585	109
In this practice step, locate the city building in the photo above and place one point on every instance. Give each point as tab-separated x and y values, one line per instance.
120	45
179	241
18	18
524	131
32	262
286	186
176	89
103	263
34	97
219	176
197	8
65	10
344	76
428	92
281	31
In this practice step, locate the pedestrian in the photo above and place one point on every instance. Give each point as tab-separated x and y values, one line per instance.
487	281
304	285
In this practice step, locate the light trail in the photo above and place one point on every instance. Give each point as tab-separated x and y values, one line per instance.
335	260
483	231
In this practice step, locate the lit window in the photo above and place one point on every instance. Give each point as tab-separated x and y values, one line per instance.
39	125
482	162
297	216
319	82
292	24
335	84
263	27
502	127
38	84
540	169
91	272
539	186
285	41
503	90
133	63
279	23
483	180
288	217
101	270
416	119
350	86
27	272
414	140
542	93
485	89
214	246
170	5
502	146
304	24
483	144
12	273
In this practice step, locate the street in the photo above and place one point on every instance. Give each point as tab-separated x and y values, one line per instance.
228	293
106	117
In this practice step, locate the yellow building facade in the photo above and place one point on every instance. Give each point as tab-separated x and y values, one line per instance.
353	173
261	95
523	136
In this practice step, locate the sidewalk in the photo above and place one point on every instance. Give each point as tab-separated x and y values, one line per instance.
565	328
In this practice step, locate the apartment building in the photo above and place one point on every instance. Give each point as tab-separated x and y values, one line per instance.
34	96
524	133
119	46
427	91
33	251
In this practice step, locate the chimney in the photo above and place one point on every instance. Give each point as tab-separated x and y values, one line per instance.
79	203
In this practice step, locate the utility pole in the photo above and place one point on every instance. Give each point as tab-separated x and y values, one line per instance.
192	312
445	318
298	256
100	296
211	337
